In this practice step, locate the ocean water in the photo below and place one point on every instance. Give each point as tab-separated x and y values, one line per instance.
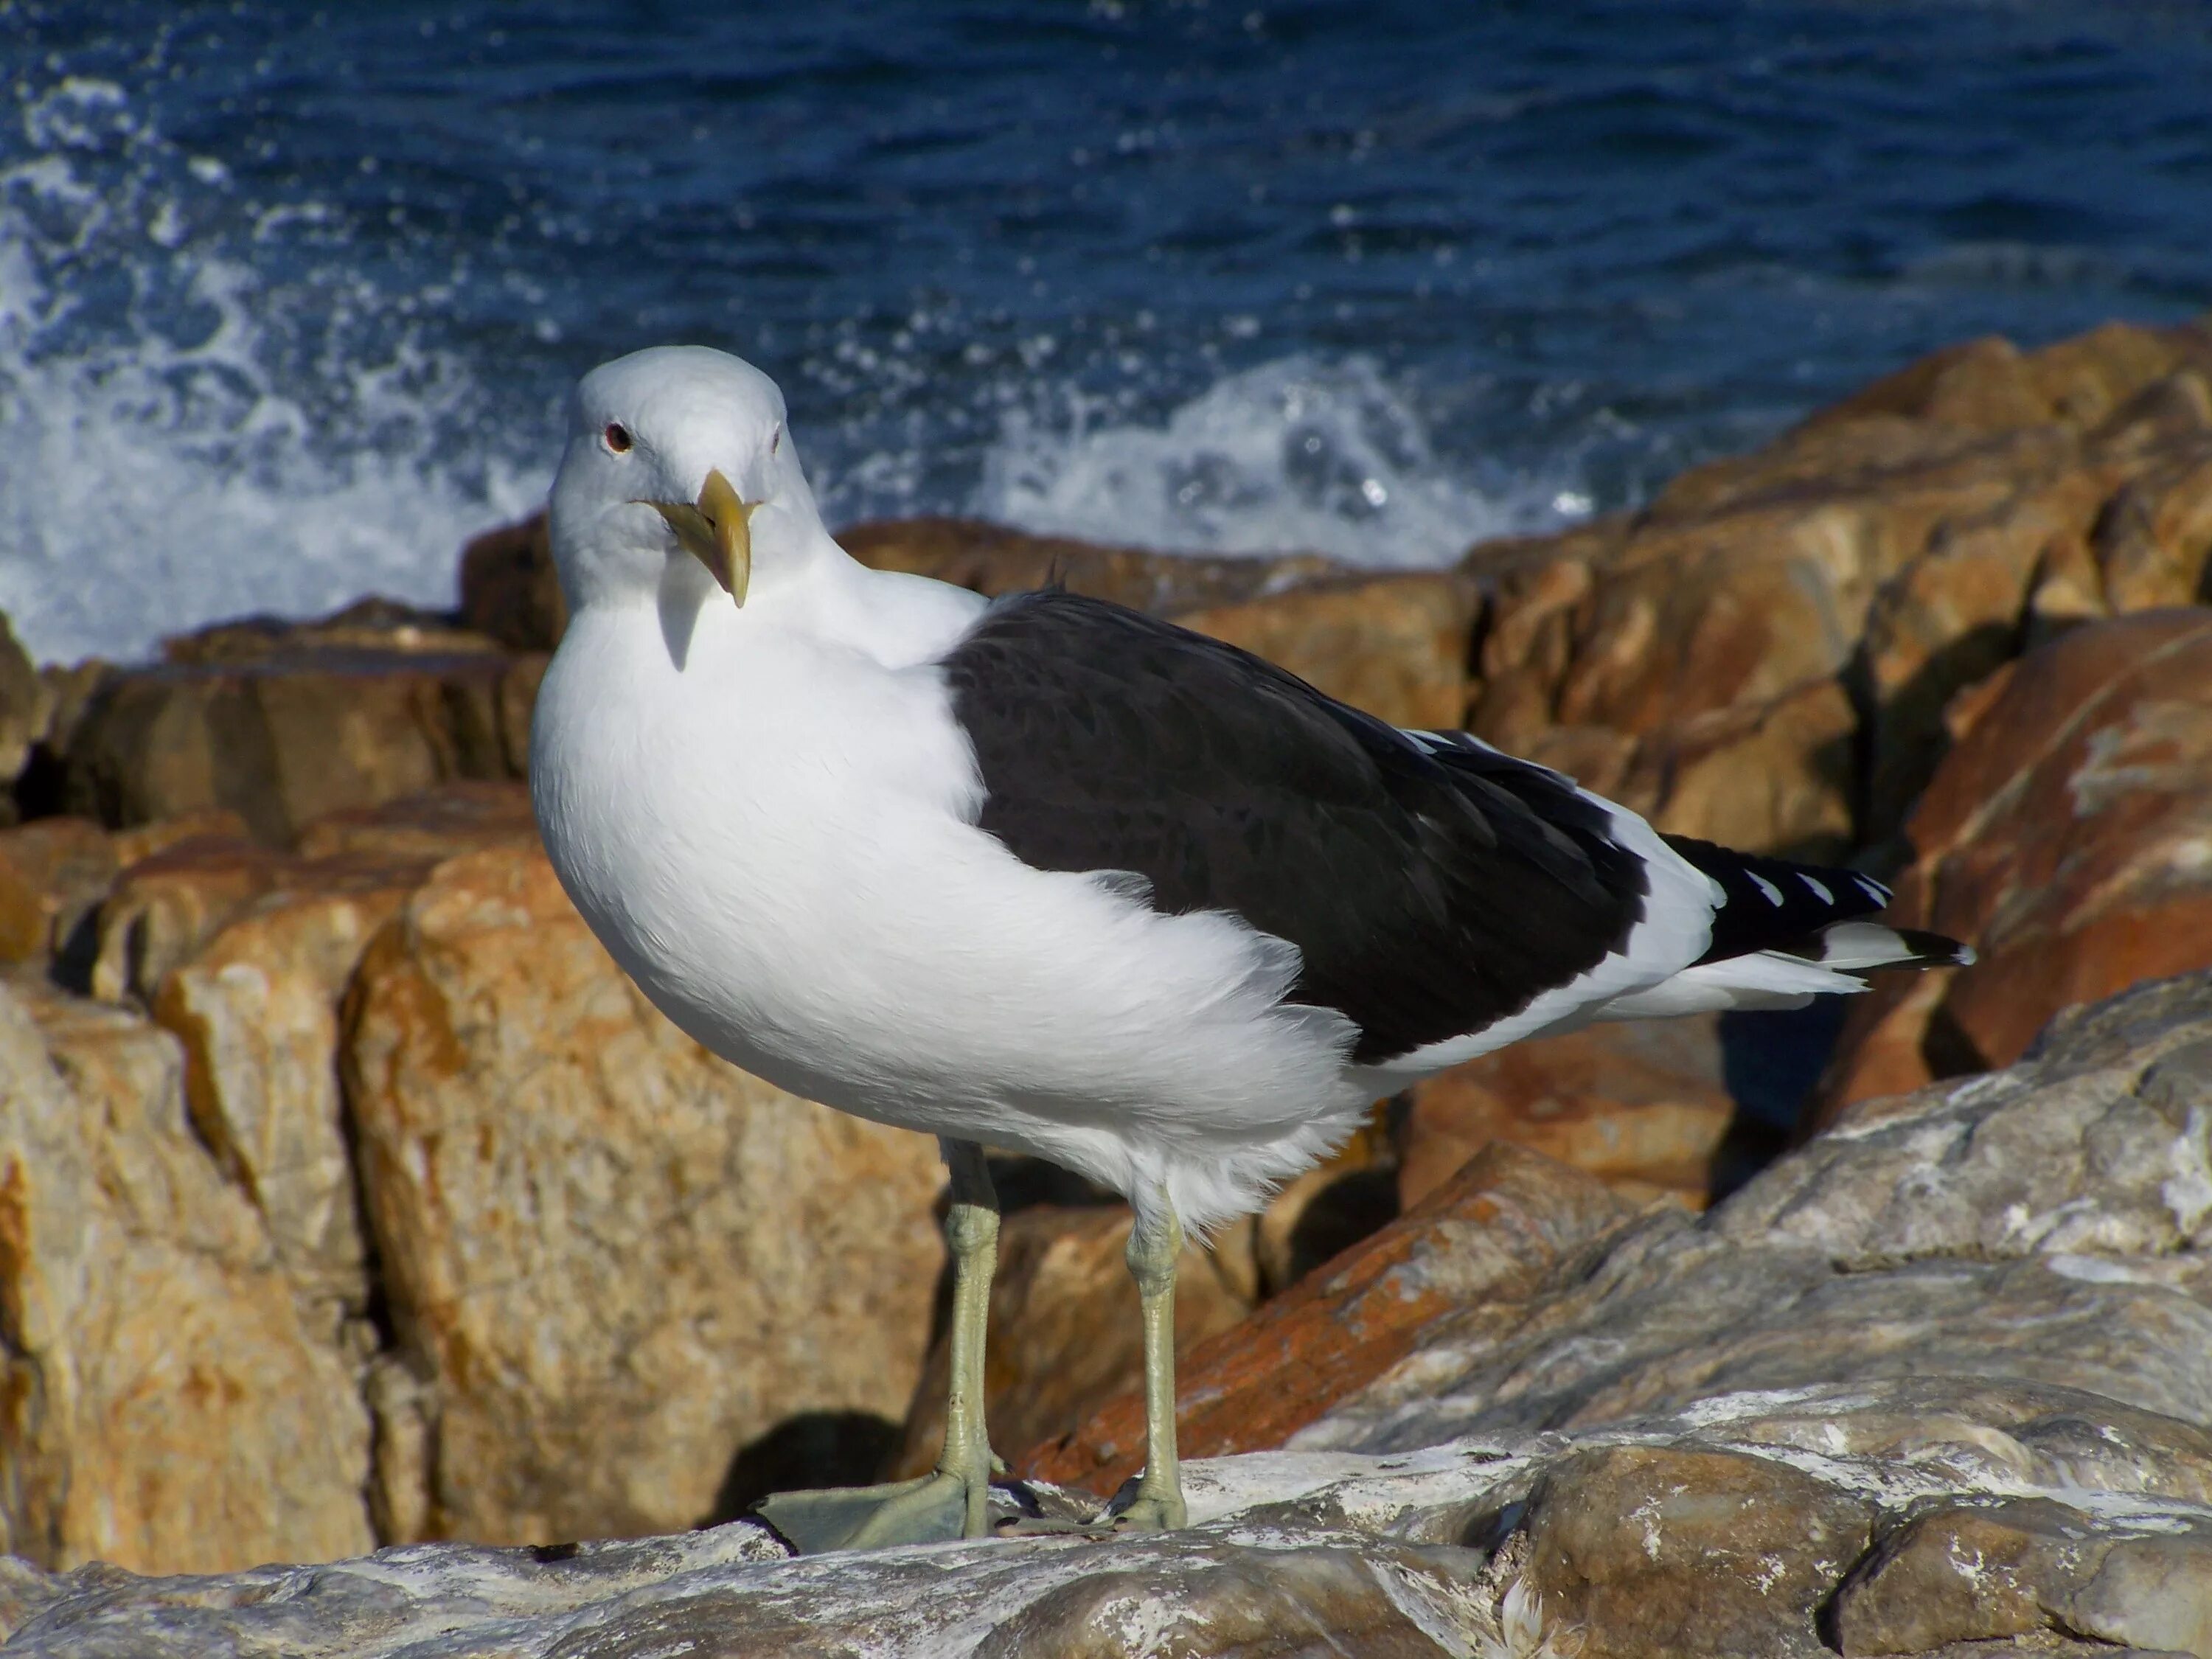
290	294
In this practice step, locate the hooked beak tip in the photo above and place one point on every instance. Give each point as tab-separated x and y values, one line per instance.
717	531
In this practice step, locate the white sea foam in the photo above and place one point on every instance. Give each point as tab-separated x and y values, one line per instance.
208	409
166	456
1297	454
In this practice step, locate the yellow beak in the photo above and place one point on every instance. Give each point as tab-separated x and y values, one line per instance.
717	531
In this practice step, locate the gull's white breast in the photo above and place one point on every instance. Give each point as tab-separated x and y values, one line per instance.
776	839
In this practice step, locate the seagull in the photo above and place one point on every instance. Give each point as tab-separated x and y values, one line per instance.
1047	874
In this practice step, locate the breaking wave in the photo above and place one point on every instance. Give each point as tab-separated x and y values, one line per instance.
180	442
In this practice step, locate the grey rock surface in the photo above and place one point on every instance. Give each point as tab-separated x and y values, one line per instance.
1938	1384
2051	1223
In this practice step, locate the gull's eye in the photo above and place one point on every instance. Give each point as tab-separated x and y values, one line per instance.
617	438
777	442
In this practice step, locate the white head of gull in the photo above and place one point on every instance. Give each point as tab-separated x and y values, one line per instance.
1050	875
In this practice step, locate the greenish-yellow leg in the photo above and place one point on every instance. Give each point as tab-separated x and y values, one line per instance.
1155	1248
955	1501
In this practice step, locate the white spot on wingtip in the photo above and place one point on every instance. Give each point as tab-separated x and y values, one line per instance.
1873	889
1773	893
1819	887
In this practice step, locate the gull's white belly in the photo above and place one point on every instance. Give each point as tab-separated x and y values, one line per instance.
780	848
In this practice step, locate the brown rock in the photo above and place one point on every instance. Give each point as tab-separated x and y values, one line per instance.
166	907
611	1259
255	1007
992	559
1640	1104
25	708
1776	776
1396	646
1965	1574
377	626
53	873
2063	837
1771	777
167	1407
1903	543
1950	617
1673	1550
285	738
1373	1603
1487	1237
443	823
510	591
1064	1339
2155	536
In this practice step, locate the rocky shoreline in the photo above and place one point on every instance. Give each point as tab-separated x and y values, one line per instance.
349	1198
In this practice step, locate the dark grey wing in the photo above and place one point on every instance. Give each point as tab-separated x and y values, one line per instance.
1429	893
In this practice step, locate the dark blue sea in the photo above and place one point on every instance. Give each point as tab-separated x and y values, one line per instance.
290	294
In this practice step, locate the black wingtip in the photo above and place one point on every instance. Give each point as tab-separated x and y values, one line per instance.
1934	950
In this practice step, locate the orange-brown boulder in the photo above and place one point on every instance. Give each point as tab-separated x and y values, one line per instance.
25	708
2065	837
166	1402
1396	646
611	1259
1904	544
1641	1104
510	589
993	559
53	873
287	737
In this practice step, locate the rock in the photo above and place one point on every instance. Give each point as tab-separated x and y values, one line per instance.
1488	1234
2063	837
25	708
56	872
2042	1227
167	1406
1952	616
610	1260
288	736
1970	1572
1641	1104
1396	646
166	908
458	818
993	559
1064	1338
53	874
1905	542
1586	1431
376	626
1732	1541
256	1006
1670	1549
510	591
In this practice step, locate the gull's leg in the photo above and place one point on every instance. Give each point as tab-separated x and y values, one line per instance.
955	1501
971	1231
1155	1248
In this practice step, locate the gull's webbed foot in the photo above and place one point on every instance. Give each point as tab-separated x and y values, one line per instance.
1151	1512
932	1509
